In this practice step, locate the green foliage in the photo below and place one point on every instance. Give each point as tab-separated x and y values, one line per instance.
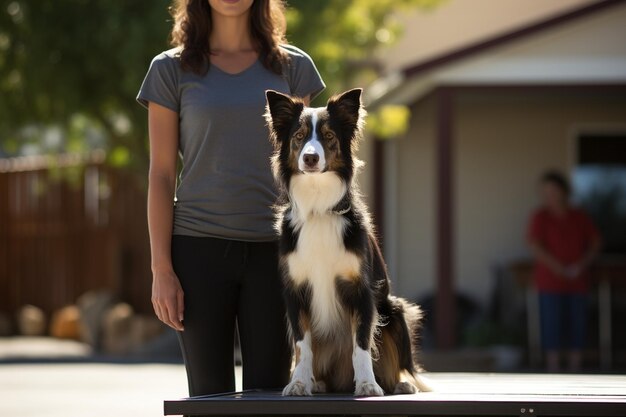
342	35
76	65
389	121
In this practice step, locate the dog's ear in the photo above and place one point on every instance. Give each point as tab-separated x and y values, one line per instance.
281	112
348	110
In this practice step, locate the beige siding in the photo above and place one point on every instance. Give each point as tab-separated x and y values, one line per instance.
584	50
455	24
410	218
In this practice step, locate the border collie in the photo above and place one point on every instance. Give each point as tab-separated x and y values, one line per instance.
350	334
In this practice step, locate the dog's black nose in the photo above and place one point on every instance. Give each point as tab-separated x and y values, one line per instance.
311	159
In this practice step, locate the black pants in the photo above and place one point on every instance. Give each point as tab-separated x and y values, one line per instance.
223	281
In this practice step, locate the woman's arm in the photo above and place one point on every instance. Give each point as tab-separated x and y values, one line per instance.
167	294
543	256
594	249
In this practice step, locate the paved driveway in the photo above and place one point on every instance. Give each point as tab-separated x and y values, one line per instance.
86	389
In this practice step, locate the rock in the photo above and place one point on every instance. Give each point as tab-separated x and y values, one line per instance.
124	332
163	347
65	323
144	329
31	321
117	329
92	306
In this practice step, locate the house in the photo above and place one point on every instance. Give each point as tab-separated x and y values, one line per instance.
453	195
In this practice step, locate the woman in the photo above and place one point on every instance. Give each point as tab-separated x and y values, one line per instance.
564	242
214	250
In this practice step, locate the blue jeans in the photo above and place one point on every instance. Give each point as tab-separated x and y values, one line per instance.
563	320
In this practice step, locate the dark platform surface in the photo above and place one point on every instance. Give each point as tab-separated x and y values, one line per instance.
454	395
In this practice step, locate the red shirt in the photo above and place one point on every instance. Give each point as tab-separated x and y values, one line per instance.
567	238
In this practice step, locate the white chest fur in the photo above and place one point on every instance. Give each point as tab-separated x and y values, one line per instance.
320	256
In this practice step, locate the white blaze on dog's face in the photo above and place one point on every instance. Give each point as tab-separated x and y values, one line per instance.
313	155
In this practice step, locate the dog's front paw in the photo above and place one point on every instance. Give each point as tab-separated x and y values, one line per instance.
368	389
298	388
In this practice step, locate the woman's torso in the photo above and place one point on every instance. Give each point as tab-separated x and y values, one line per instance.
226	188
567	238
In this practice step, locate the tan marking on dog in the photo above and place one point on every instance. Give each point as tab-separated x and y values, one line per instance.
332	149
332	362
297	349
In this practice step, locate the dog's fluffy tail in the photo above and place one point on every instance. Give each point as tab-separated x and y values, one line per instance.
409	317
422	383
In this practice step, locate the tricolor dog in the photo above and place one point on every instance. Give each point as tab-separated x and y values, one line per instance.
350	334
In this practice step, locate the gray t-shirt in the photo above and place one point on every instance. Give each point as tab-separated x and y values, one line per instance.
225	188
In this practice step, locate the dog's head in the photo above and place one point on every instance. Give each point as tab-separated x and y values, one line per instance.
310	141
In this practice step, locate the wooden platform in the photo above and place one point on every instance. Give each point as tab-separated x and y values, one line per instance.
459	395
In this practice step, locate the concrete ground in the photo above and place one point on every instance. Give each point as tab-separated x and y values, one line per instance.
46	377
51	390
89	389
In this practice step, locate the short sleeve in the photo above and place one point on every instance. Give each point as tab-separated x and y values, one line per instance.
536	229
304	78
161	83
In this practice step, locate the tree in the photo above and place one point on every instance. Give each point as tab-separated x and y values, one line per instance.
341	36
76	65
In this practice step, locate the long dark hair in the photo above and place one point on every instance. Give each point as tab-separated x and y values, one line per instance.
192	27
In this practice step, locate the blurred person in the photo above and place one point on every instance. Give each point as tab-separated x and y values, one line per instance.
564	242
213	244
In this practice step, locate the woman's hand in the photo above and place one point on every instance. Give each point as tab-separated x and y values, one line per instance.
167	299
557	268
573	271
547	259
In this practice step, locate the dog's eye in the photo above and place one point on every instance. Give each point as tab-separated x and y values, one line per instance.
328	135
299	136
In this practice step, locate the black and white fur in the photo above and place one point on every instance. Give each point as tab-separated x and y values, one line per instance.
350	334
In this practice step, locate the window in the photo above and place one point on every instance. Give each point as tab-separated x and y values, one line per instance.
599	182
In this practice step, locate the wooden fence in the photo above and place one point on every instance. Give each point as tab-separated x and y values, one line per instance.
70	224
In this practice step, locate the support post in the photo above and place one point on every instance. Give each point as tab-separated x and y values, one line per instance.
605	323
379	189
445	305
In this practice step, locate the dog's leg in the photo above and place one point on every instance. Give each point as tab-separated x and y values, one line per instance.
302	380
364	379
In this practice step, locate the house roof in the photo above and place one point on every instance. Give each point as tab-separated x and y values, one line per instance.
502	62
